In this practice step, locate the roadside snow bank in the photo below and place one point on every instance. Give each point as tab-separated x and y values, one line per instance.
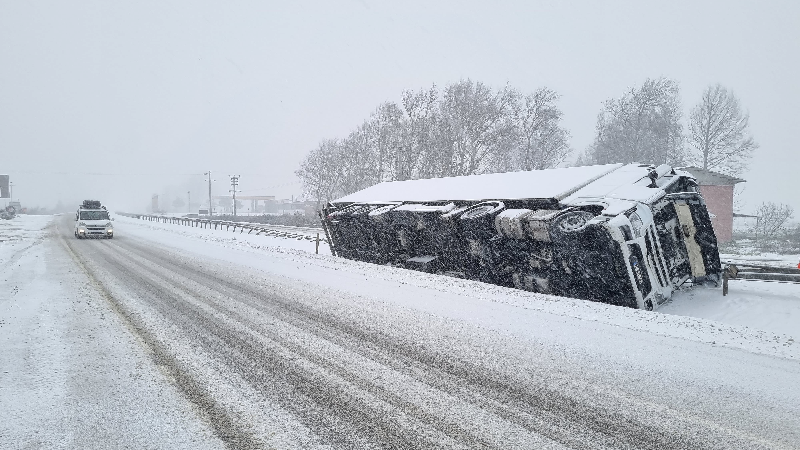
19	233
445	295
230	239
764	305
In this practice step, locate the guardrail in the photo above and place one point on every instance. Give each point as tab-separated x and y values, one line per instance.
288	232
755	272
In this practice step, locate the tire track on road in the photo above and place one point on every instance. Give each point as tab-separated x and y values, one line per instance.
225	426
250	330
492	391
326	402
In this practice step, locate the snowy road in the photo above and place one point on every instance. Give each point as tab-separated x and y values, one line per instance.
276	348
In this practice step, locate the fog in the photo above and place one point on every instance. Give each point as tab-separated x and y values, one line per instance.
122	100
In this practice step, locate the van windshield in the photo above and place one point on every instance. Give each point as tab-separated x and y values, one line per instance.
94	215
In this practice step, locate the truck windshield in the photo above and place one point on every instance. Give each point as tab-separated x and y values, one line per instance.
94	215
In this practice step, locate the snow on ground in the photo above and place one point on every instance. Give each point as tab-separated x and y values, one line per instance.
70	366
71	374
763	305
741	379
772	332
20	233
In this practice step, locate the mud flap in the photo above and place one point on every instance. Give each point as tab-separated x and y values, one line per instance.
692	247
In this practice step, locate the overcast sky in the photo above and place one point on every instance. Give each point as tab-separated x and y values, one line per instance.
122	100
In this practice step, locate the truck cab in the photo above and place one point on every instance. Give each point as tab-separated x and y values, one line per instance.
93	221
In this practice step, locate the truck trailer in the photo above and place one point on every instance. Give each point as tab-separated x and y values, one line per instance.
626	235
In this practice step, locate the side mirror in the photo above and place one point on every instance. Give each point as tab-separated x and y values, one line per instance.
76	218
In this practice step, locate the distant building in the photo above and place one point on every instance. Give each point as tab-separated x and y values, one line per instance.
717	190
259	204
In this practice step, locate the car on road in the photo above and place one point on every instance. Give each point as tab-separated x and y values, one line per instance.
93	221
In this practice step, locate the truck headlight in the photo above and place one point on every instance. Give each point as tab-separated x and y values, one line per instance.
636	224
81	224
109	225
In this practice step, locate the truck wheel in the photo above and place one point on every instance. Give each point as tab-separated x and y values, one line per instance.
570	222
481	210
477	223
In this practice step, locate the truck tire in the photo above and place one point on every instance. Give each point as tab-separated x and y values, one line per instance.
570	223
482	210
477	222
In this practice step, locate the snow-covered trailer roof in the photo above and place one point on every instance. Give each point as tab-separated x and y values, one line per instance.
545	184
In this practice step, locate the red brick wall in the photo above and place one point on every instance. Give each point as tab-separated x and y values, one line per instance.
719	200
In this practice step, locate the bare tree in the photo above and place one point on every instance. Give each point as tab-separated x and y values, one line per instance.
354	161
543	143
718	132
318	172
385	130
476	128
771	219
468	129
416	153
644	125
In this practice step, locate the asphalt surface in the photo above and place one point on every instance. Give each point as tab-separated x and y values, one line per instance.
271	362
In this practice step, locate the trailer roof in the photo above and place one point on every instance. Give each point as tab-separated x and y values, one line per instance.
545	184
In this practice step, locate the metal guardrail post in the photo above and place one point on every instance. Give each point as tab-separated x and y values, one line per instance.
724	283
327	233
731	271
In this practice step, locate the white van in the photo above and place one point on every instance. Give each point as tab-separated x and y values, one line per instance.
92	221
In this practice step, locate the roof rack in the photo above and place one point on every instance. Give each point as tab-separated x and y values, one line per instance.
91	204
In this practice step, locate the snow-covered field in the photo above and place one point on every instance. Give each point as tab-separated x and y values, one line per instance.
87	352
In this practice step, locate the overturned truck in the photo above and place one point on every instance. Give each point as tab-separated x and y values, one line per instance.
621	234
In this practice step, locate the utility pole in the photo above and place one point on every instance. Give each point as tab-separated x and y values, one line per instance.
189	201
234	184
11	191
210	205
